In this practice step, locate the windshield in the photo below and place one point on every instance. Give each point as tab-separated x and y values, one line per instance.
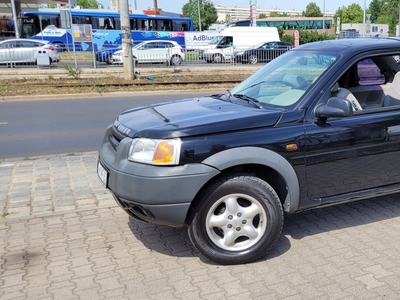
284	80
257	45
138	45
215	40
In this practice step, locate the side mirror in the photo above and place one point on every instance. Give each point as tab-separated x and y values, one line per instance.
335	107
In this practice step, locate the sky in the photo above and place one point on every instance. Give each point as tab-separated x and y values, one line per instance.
176	5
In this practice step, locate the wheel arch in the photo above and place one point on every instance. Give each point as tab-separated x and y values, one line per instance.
265	164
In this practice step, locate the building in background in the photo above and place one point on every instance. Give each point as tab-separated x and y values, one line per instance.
235	13
352	30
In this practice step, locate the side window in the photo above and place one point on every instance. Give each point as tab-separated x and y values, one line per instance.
369	73
164	45
150	46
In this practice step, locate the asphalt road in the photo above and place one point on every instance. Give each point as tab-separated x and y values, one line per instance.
42	127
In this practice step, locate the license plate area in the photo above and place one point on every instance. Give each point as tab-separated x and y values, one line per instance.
103	174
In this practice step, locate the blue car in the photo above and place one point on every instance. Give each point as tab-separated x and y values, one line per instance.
106	54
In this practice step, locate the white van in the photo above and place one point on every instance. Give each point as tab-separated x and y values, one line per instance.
232	39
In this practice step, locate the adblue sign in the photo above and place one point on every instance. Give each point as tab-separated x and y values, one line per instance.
198	39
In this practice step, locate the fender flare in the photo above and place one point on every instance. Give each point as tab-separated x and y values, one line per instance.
253	155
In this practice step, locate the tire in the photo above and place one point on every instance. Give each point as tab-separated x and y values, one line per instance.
239	220
135	61
109	59
176	60
218	58
253	59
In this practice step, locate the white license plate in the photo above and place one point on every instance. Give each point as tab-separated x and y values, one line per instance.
103	174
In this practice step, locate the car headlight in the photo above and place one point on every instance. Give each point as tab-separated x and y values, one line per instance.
155	152
117	54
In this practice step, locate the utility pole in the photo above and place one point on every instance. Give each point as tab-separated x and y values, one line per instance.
155	5
127	57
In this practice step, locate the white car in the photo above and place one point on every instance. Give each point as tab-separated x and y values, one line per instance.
155	51
25	51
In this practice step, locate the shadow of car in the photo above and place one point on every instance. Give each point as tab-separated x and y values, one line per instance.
262	52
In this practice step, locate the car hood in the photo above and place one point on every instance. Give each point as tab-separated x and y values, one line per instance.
194	116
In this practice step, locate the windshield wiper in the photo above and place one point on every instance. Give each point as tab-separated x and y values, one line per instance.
251	86
251	100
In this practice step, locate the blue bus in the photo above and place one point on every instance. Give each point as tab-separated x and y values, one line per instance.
106	27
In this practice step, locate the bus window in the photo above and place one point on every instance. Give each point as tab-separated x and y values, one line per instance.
134	24
117	23
47	20
103	23
164	25
180	26
144	24
81	20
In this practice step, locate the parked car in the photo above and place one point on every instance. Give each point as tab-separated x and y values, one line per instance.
317	126
262	52
154	51
105	55
25	51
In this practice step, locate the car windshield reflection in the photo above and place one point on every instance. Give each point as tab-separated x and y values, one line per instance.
283	81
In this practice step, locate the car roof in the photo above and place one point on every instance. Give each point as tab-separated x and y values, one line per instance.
153	41
25	40
352	45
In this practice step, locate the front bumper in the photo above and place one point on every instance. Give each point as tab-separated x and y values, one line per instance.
155	194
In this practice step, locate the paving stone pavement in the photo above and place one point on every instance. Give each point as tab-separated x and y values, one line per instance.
63	237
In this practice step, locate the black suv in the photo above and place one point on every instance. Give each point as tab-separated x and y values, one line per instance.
318	125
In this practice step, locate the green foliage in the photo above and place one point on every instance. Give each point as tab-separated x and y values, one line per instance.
312	10
208	13
375	8
262	16
353	14
306	36
73	72
88	3
389	14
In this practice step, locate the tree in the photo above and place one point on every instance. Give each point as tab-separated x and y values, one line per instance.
353	14
262	16
88	3
375	7
208	13
312	10
389	14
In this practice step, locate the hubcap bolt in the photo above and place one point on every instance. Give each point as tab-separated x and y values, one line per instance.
229	226
244	222
239	215
237	228
230	217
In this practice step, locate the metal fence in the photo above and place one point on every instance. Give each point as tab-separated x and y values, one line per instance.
103	59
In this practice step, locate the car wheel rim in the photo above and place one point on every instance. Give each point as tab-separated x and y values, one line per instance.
236	222
253	59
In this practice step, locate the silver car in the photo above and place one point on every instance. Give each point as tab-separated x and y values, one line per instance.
26	51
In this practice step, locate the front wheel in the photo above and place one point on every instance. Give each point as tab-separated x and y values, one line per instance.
253	59
239	221
176	60
218	58
109	59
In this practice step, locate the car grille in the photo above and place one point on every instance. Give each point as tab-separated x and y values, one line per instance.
115	138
